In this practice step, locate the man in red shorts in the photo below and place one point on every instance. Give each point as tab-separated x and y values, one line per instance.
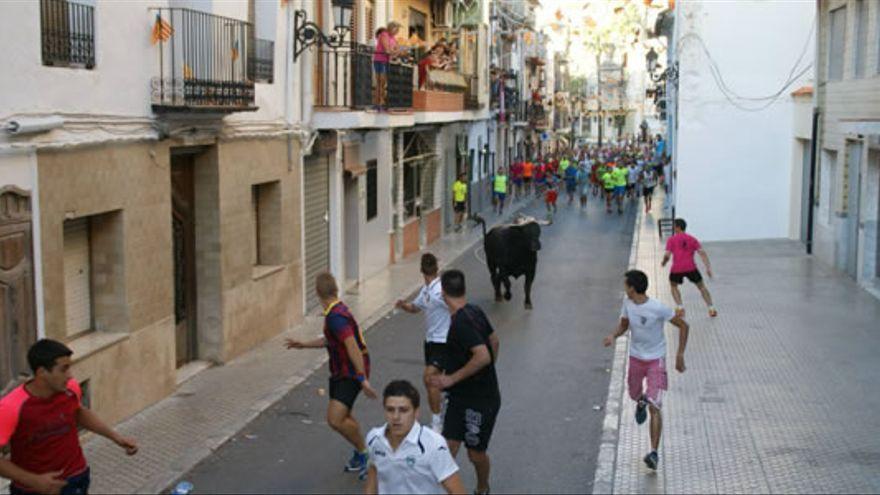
644	318
39	421
681	248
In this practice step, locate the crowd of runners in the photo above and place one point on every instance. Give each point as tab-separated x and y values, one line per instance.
40	420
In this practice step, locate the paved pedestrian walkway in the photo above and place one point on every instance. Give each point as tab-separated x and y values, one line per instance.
781	391
178	432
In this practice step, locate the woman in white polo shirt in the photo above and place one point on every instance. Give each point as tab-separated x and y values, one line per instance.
406	457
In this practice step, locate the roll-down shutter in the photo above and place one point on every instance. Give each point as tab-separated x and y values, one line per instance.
77	276
317	227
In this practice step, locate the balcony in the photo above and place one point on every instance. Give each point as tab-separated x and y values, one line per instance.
346	82
207	63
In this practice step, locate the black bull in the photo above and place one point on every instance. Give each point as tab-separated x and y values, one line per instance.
511	251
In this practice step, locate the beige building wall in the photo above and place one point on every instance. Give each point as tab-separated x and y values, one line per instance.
129	363
843	104
259	301
128	359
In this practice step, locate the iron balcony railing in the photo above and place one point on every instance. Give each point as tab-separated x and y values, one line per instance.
346	79
263	61
67	31
204	61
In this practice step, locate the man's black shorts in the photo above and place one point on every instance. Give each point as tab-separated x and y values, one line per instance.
460	207
678	278
648	191
435	355
344	390
471	420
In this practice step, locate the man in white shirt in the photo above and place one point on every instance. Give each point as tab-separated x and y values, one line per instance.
645	318
430	301
406	457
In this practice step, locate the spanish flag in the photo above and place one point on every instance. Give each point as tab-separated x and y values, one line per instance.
235	51
162	31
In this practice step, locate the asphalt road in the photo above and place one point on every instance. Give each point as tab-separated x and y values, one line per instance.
552	369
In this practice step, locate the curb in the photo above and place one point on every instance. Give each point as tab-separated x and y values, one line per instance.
606	463
165	482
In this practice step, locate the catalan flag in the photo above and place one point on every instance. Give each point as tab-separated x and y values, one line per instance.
235	50
162	31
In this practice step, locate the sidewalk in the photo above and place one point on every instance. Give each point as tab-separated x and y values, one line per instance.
781	391
181	430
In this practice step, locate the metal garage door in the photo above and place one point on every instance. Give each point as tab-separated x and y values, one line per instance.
77	276
317	228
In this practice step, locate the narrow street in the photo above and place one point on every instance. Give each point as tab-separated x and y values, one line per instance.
552	369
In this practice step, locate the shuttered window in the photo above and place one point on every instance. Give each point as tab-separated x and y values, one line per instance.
77	276
836	43
861	44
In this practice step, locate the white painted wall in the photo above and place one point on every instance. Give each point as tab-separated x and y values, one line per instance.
374	234
734	166
802	122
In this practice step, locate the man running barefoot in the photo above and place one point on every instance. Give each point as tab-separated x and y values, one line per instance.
39	421
349	368
430	300
644	318
474	397
681	248
406	457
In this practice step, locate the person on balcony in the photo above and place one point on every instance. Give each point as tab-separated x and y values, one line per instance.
432	61
386	49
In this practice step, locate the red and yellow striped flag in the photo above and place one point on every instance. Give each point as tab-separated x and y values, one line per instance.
162	31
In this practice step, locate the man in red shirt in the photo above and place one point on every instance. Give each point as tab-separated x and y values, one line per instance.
681	248
39	421
349	368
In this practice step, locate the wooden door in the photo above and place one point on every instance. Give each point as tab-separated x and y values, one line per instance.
17	318
183	225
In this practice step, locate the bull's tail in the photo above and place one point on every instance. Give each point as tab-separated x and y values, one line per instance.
477	218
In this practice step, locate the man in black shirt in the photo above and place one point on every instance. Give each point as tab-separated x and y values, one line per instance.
474	398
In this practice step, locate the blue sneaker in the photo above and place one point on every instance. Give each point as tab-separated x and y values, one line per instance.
357	463
652	459
641	410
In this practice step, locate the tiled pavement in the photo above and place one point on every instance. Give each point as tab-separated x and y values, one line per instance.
781	391
178	432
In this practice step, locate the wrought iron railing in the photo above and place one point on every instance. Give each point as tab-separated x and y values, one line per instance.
263	61
67	31
204	61
346	79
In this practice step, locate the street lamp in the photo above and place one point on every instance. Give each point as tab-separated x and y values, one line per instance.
306	33
651	57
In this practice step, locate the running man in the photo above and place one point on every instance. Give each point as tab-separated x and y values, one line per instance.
516	171
527	173
430	300
644	318
571	182
474	397
681	248
406	457
583	180
39	421
619	174
649	182
349	368
608	182
459	199
632	181
499	183
551	193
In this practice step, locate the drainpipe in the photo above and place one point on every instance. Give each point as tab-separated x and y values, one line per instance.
812	194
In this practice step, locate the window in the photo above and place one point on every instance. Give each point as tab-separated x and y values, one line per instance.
412	177
94	281
372	189
861	44
67	31
266	215
417	24
836	43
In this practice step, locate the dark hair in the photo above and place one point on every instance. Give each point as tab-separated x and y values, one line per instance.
429	264
680	223
45	352
637	280
380	31
402	388
452	282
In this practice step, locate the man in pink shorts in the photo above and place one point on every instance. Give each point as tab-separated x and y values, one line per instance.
681	248
645	318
